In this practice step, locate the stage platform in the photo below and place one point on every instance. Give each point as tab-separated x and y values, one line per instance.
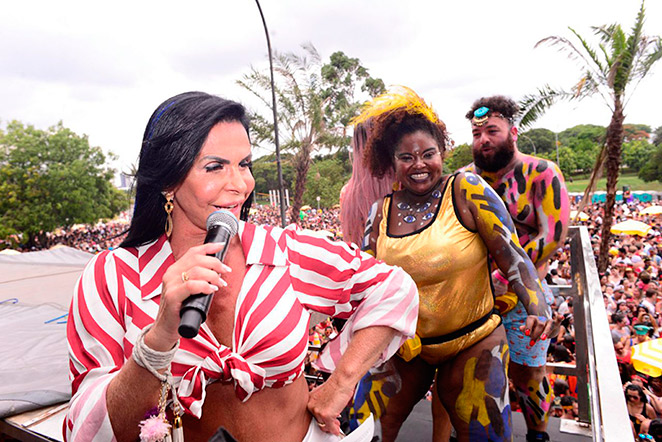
419	427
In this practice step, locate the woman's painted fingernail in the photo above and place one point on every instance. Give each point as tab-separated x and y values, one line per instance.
214	287
226	268
532	343
543	336
223	283
527	332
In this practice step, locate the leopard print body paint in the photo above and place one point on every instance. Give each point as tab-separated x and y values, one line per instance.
535	400
535	195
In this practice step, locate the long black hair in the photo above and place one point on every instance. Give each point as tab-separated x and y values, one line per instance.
637	389
172	141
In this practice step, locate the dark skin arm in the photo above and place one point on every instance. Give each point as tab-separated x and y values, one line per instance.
481	210
372	227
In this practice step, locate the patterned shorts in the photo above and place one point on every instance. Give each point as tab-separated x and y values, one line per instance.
520	351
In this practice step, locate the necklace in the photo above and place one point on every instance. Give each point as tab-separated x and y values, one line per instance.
422	210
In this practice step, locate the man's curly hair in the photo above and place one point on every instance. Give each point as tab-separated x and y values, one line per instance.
497	103
387	132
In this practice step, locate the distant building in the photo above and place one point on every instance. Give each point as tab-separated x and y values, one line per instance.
125	182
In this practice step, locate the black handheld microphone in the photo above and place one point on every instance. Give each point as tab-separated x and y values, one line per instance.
222	225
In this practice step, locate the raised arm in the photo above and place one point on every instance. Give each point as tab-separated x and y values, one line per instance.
482	210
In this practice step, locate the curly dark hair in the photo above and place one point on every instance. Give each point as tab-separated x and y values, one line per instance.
387	132
497	103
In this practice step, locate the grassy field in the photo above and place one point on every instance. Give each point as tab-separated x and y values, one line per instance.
635	183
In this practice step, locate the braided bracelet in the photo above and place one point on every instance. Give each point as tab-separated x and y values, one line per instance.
152	360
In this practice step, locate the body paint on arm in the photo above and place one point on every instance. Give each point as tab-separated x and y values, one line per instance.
497	230
369	243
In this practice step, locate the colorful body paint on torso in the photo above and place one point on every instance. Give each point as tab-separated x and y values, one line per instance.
535	195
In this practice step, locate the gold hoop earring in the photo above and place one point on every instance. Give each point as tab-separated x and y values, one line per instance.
168	206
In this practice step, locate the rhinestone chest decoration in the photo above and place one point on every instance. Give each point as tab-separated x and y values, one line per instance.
419	211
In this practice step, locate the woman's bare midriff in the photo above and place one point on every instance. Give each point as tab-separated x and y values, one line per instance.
270	415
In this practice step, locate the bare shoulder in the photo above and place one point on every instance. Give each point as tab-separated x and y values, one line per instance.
541	167
468	168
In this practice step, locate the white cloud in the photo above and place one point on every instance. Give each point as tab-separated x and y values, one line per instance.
103	68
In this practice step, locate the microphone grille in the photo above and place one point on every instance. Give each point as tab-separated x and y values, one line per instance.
224	218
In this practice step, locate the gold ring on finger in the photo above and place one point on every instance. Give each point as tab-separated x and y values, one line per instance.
321	424
184	277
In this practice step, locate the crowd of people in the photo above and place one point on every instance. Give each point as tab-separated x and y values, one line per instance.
633	300
631	289
92	238
508	244
323	219
107	235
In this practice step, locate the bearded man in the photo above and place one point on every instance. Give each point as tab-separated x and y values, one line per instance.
533	190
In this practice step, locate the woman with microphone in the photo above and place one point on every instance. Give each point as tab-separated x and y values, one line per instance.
133	376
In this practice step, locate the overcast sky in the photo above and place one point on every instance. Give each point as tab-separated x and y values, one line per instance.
103	68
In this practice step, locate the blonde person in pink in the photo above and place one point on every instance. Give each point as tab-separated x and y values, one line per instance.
243	371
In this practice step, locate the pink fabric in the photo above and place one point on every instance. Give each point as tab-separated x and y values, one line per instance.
289	273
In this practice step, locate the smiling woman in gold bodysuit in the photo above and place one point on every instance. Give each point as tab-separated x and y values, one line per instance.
440	228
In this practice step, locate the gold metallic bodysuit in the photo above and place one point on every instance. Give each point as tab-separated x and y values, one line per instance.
449	264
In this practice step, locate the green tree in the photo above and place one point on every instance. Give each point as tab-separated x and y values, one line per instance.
344	78
53	178
567	160
637	153
619	63
542	139
584	152
590	132
325	179
458	157
652	169
310	114
266	176
657	136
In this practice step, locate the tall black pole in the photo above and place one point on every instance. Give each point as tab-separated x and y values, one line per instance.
281	196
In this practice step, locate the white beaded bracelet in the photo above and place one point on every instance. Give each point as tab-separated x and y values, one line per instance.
152	360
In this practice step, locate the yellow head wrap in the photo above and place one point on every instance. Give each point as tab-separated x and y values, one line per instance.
398	97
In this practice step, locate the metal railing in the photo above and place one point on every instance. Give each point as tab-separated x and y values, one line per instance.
599	391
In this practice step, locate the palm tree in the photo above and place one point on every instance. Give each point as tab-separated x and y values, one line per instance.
315	105
301	111
618	65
